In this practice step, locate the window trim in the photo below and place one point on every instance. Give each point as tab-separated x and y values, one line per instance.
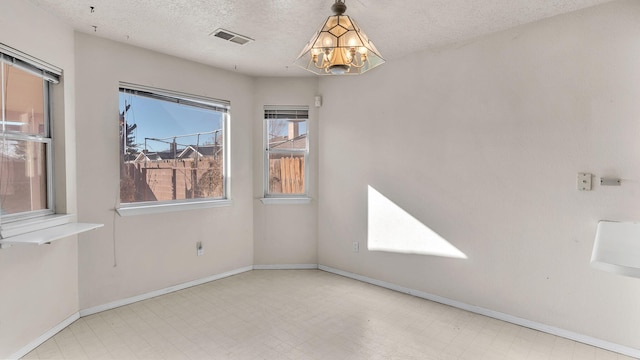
156	207
286	200
271	199
134	209
50	75
39	226
32	64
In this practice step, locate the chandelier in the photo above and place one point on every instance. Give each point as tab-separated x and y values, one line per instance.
339	47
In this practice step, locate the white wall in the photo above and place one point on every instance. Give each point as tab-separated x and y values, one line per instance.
39	285
138	254
285	234
482	142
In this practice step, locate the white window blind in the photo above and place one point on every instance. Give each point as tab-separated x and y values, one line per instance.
30	64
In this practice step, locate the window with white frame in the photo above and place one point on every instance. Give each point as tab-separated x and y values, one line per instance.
286	151
173	147
26	169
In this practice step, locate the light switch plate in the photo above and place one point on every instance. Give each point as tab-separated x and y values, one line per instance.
584	181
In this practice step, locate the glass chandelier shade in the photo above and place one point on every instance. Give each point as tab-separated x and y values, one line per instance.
339	47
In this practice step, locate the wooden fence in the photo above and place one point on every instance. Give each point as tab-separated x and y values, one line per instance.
171	180
286	175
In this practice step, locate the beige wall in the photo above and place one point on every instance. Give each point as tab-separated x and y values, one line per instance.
39	285
482	142
138	254
285	234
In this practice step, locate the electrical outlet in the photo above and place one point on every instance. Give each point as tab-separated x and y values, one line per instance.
199	249
356	246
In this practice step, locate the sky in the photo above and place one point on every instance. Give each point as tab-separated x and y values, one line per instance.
162	119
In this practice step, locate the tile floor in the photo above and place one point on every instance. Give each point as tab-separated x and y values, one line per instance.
300	314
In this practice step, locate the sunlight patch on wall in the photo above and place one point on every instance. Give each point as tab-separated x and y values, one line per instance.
391	228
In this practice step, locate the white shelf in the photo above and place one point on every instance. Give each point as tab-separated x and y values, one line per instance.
48	235
617	248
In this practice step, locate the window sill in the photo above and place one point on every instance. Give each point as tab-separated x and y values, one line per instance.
20	227
286	201
48	235
133	210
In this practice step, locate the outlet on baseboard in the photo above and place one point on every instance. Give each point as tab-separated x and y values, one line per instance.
199	249
356	246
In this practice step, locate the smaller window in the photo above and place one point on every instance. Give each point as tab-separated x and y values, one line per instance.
27	202
286	151
26	179
173	147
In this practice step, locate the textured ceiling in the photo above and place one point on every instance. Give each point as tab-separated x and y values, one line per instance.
281	28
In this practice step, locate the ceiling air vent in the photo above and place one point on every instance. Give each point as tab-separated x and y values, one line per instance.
231	36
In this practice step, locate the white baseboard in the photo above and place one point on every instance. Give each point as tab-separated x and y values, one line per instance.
152	294
286	267
44	337
621	349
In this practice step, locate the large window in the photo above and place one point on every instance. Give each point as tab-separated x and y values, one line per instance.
286	151
173	147
26	179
